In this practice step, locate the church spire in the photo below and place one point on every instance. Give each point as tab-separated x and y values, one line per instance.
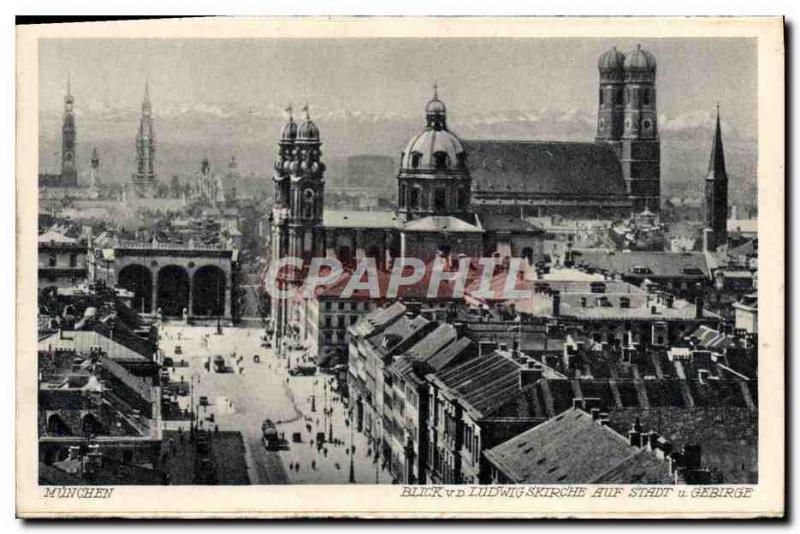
716	162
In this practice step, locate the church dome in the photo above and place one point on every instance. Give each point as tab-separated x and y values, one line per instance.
640	59
611	60
289	132
433	150
308	131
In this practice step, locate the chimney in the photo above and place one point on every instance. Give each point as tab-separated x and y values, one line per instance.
502	347
698	307
595	413
556	297
578	404
663	448
652	440
461	330
486	347
635	434
691	456
530	374
592	402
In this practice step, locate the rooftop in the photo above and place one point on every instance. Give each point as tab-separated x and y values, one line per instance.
544	167
571	448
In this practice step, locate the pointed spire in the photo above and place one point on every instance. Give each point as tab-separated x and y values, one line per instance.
435	91
308	114
68	99
716	162
289	111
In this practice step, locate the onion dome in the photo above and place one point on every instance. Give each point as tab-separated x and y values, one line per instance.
289	132
612	60
308	131
640	60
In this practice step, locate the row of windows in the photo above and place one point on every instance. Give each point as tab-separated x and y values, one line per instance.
648	96
341	321
344	305
441	160
52	260
413	198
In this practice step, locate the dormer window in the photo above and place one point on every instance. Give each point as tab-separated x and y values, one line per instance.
441	160
416	159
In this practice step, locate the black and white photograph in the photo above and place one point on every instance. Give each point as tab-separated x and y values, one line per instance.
479	263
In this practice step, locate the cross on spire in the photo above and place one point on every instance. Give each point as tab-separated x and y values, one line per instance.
435	91
289	111
308	114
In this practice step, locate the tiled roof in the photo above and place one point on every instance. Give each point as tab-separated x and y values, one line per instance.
486	384
378	319
435	341
709	338
83	340
571	448
507	223
728	435
660	264
544	168
451	353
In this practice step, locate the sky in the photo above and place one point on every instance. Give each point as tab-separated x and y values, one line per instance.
393	75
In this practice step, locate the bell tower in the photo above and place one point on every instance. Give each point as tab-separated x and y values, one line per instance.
69	173
610	107
716	194
640	151
306	192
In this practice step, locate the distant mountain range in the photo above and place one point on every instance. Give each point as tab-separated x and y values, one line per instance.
187	133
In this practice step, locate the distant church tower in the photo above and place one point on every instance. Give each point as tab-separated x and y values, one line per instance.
297	212
144	181
94	175
69	173
626	119
716	194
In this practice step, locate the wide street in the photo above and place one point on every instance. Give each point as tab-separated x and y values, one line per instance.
242	399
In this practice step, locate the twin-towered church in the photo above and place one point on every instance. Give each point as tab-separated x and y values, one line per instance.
472	197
